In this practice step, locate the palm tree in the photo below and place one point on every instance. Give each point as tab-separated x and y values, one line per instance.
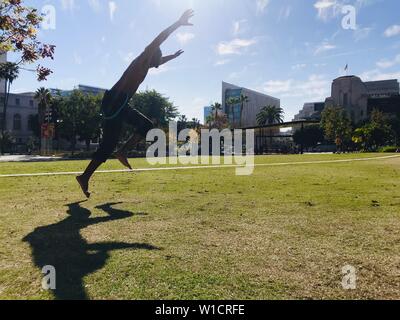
216	107
183	119
238	100
243	99
232	102
44	97
195	123
9	72
270	115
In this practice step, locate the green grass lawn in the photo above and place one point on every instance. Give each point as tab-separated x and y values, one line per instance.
283	233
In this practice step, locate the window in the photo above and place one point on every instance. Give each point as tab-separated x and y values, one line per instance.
17	122
345	100
32	122
31	103
17	101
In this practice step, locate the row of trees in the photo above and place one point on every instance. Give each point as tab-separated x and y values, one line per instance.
77	116
336	128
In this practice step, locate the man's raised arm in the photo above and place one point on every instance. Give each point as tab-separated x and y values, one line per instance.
171	57
157	42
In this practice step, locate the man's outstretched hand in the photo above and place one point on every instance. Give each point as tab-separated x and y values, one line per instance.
178	53
184	20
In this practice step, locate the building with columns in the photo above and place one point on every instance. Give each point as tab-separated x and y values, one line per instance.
357	98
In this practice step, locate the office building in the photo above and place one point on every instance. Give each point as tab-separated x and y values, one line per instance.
247	117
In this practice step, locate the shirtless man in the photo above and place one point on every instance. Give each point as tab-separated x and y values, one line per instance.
116	111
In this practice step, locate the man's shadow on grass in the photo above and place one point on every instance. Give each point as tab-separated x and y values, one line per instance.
61	245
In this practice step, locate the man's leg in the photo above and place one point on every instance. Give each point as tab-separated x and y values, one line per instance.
142	126
84	179
111	134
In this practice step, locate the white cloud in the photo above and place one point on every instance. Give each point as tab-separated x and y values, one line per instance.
392	31
239	27
299	66
261	5
324	47
327	9
68	4
385	63
377	75
235	46
184	37
278	86
316	87
221	62
324	4
95	5
112	6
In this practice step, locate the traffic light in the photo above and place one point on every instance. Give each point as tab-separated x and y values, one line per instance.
48	116
51	115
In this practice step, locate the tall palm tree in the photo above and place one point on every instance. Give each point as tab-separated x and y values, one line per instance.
9	72
238	100
196	123
243	99
232	102
216	107
44	98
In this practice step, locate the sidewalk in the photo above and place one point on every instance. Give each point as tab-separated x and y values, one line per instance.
27	158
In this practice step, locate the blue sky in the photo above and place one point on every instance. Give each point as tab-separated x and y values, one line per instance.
290	49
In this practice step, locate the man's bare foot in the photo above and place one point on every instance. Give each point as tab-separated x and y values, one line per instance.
84	186
123	159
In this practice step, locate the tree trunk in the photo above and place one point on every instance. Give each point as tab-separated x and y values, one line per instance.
73	142
4	120
241	115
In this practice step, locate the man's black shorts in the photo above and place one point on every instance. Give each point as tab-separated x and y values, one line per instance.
117	112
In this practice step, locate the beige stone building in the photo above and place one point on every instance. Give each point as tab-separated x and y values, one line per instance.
358	98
